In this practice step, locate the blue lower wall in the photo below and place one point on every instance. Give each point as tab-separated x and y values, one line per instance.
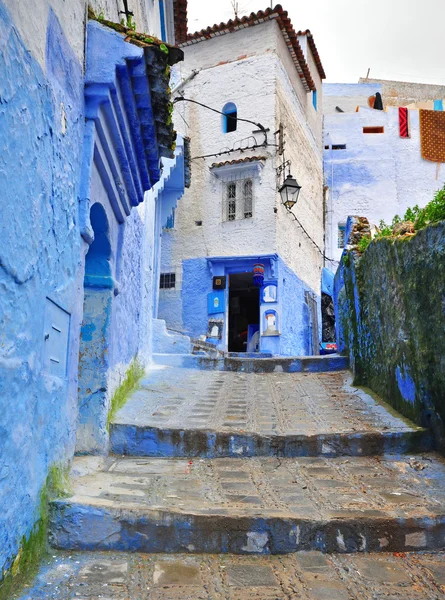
41	116
186	309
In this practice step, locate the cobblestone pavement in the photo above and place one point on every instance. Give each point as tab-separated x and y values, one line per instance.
301	576
267	404
313	488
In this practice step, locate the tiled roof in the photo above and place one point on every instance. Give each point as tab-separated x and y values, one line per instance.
290	37
238	161
313	47
180	12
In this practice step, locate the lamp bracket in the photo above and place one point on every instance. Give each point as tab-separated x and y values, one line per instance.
281	168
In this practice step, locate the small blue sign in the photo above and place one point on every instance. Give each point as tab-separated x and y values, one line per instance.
216	302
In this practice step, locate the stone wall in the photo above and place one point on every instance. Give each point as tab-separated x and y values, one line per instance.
390	319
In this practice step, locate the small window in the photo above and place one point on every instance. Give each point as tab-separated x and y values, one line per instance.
167	281
231	201
314	99
238	200
373	130
248	198
338	146
341	235
229	118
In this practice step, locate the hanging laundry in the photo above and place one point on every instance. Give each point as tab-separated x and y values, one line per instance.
438	104
403	122
432	135
378	104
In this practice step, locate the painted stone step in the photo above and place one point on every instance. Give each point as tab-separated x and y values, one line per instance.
265	506
295	364
184	412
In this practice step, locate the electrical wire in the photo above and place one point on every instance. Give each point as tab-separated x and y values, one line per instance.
312	240
260	127
265	144
235	150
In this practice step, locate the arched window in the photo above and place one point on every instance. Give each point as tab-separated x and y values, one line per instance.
229	118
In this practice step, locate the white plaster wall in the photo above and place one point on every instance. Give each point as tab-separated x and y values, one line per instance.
293	245
378	175
250	83
265	90
247	42
146	13
314	117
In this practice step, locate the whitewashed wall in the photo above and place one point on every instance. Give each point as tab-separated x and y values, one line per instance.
378	175
253	69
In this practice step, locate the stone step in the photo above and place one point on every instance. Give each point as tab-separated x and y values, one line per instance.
302	576
260	505
208	414
296	364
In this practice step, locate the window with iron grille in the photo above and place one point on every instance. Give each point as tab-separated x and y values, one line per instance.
167	281
238	201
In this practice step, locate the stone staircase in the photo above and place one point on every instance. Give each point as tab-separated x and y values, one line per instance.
274	462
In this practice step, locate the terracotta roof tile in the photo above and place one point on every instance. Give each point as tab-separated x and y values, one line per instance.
180	12
290	37
238	161
313	47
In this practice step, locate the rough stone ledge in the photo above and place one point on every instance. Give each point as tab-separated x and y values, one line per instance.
77	525
131	440
297	364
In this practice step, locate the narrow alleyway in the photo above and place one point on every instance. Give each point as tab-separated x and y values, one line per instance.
223	465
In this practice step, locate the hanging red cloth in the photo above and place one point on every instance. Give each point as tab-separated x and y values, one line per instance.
403	122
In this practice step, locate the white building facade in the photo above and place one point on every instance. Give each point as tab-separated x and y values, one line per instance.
370	170
231	223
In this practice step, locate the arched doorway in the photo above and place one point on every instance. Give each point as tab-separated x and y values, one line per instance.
92	436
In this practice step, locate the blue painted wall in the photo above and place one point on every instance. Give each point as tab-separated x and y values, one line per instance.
41	116
186	309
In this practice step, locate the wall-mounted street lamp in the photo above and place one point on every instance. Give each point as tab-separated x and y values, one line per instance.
289	192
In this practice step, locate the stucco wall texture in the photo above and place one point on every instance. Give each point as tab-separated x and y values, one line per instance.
389	308
253	69
377	175
42	253
40	258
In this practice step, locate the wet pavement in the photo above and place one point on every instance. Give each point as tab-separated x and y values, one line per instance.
305	576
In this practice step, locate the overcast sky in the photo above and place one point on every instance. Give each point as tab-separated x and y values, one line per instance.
397	39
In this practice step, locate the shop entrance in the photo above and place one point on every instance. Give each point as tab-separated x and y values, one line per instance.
244	313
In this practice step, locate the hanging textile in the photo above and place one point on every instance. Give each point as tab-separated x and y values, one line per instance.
432	135
378	104
403	122
438	104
